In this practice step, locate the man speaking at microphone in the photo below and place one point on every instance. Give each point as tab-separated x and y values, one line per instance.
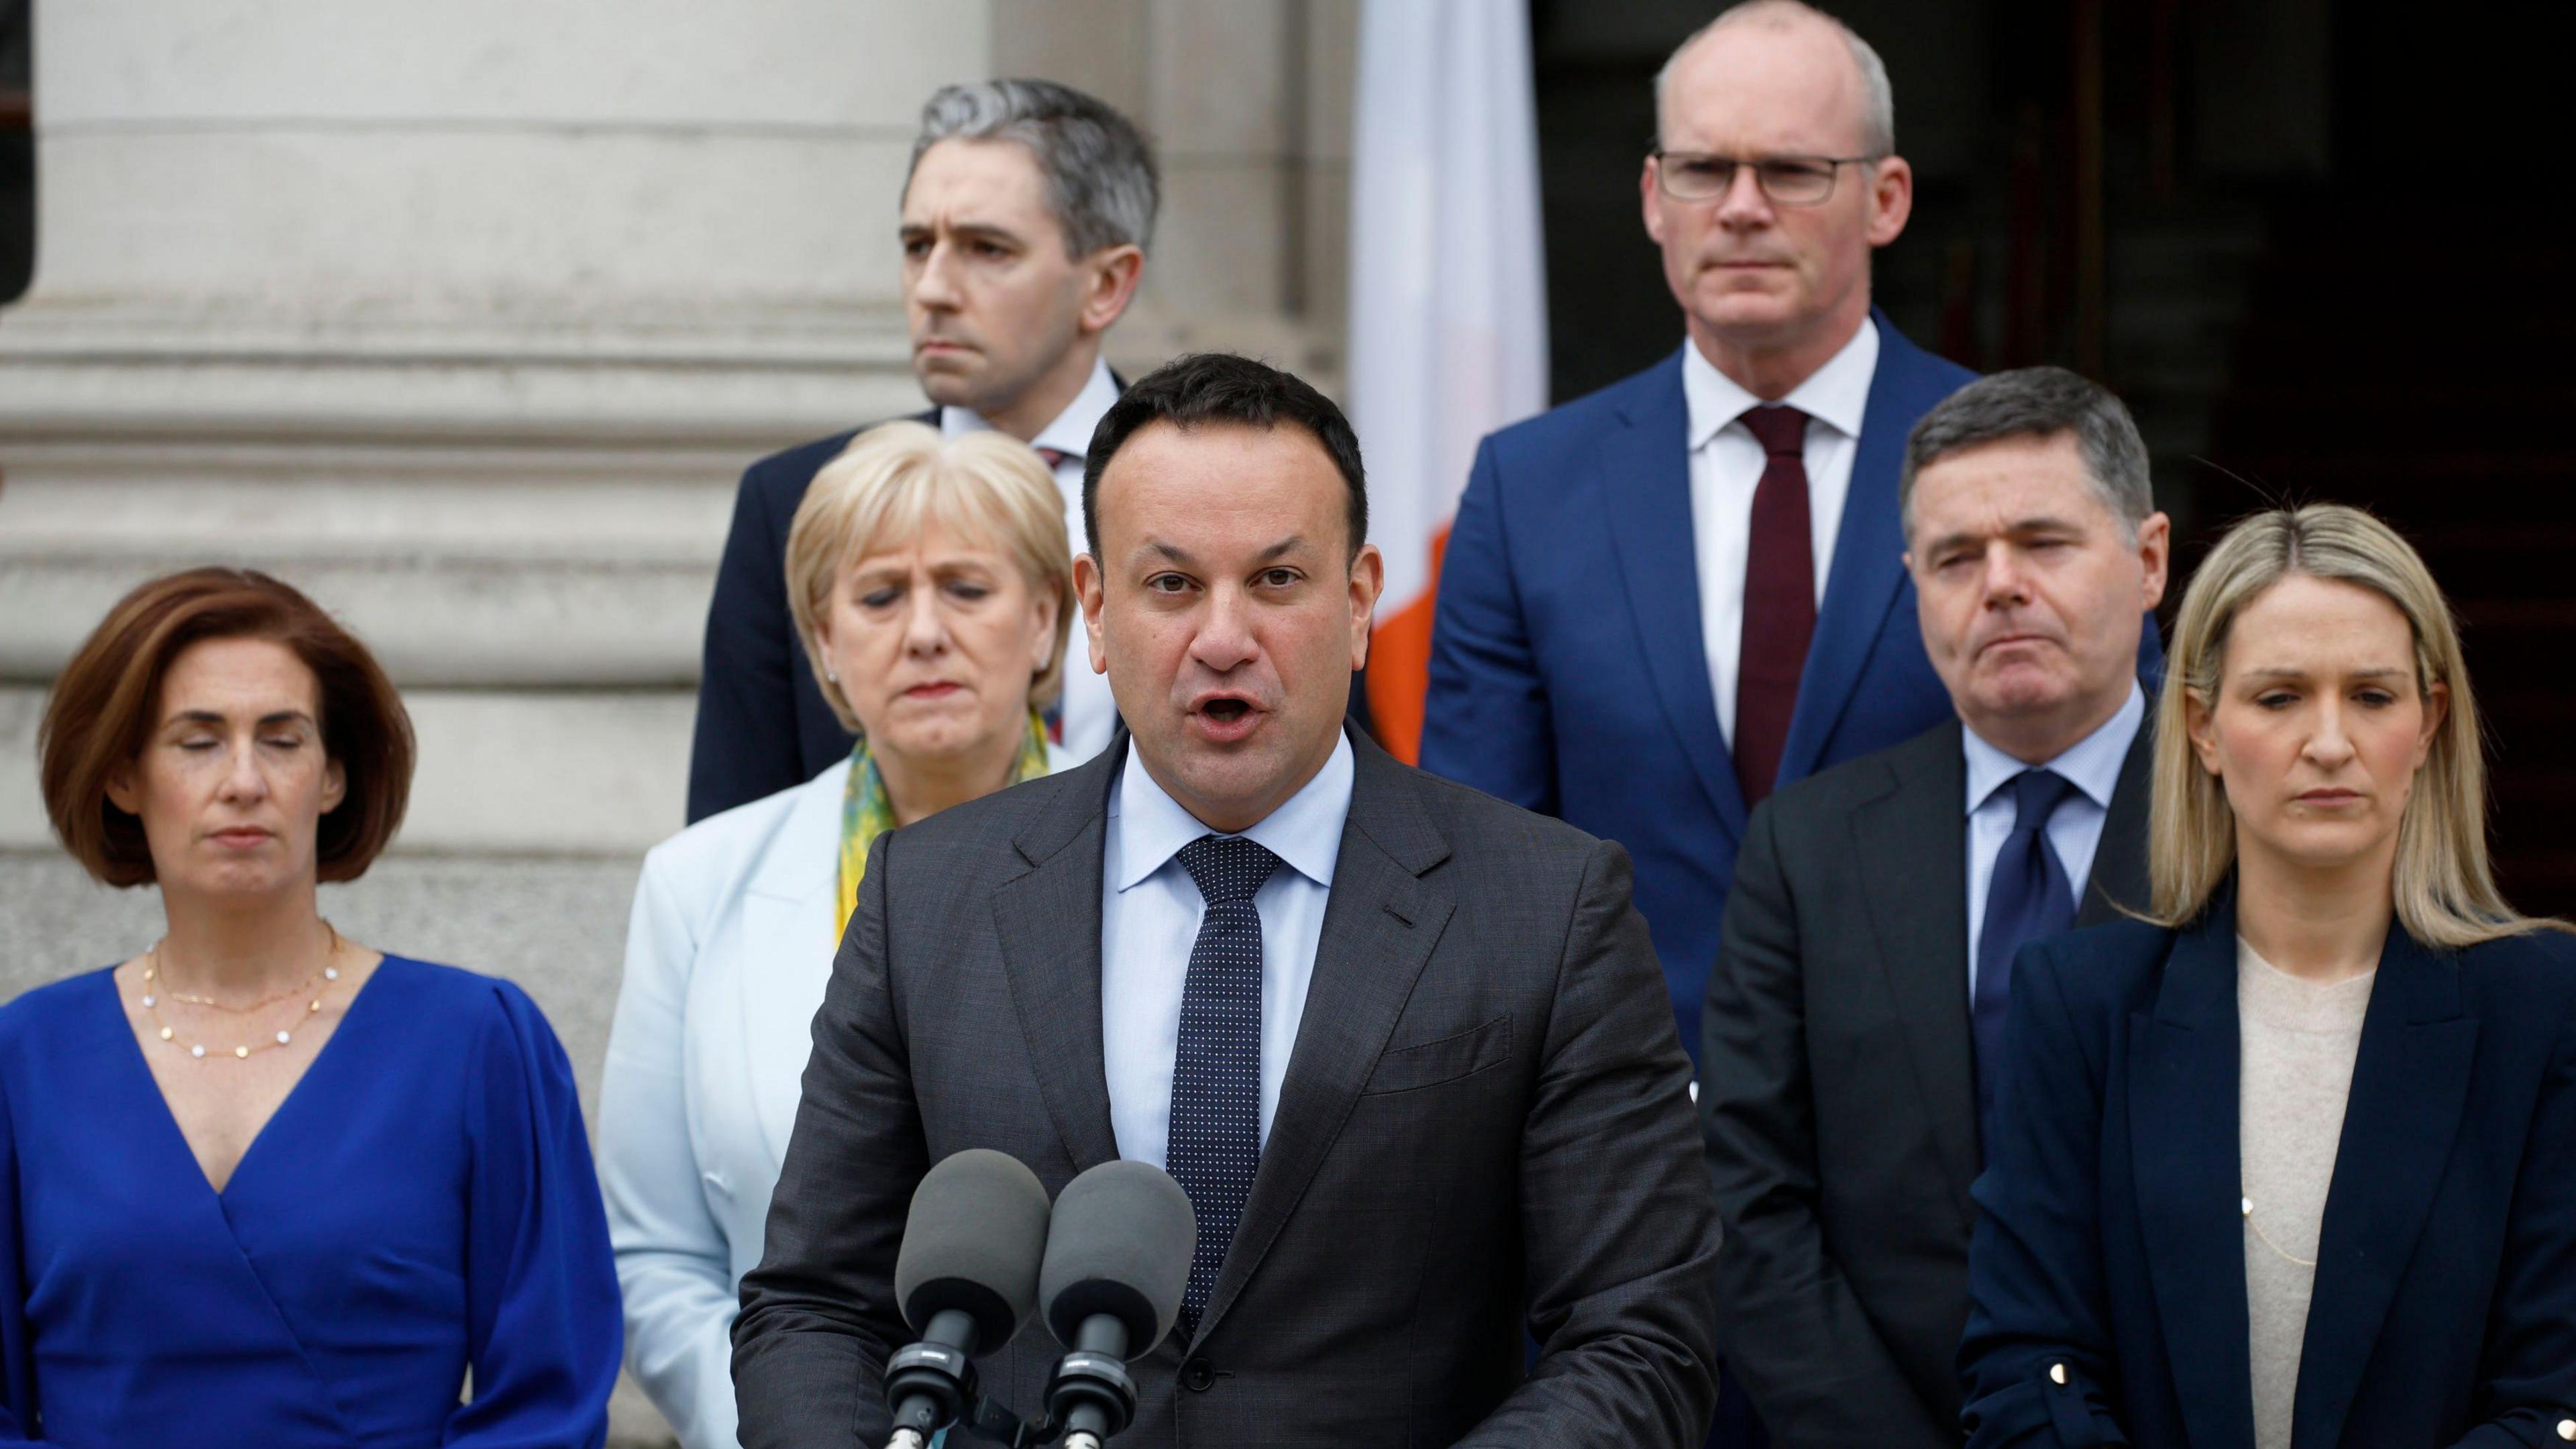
1406	1048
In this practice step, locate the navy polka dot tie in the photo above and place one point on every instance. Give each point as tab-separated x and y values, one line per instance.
1216	1076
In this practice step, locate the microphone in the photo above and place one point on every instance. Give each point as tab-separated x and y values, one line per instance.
966	1280
1117	1262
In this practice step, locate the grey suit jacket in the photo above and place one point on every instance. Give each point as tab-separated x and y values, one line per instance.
1838	1094
1484	1128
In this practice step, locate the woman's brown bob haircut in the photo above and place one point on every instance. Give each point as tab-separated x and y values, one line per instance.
106	703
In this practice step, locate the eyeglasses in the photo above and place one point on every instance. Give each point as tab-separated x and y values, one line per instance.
1786	180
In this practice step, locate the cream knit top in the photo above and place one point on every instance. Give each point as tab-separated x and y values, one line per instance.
2299	1039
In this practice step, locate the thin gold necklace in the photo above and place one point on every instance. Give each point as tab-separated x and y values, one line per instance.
304	987
282	1037
2246	1206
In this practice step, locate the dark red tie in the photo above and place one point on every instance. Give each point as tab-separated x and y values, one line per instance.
1779	601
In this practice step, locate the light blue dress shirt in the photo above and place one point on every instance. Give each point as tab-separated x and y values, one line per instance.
2091	765
1090	716
1149	918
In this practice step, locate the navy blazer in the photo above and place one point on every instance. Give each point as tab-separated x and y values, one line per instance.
762	724
2110	1245
1567	671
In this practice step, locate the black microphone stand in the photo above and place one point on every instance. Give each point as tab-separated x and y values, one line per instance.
1090	1392
931	1385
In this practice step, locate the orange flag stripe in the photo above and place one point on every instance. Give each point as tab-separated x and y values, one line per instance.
1399	667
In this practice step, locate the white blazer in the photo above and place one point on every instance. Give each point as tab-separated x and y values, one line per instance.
727	954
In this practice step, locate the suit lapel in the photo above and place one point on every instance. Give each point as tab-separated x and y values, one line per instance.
786	963
1867	572
1380	924
1647	465
1911	846
1049	924
2120	861
784	956
2185	1160
2409	1083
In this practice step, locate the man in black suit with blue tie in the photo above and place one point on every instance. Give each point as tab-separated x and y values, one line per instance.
1405	1047
1024	224
1855	1016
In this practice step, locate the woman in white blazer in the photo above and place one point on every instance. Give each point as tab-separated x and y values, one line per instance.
931	584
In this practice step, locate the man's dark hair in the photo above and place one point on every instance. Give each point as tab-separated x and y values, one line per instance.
2038	402
1222	388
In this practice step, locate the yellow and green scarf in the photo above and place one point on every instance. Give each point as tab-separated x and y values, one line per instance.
866	813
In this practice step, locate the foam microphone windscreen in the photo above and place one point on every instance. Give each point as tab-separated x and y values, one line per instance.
974	1241
1120	1244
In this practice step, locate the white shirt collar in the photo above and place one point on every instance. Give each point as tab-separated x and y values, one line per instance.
1836	394
2091	764
1305	831
1071	431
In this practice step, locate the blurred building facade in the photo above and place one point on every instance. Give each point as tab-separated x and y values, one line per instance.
466	318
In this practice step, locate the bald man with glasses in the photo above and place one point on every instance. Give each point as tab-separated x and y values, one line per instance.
1666	600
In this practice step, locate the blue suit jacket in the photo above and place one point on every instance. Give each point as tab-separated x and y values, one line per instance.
1567	671
2110	1241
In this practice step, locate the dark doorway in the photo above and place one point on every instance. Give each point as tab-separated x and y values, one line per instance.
2405	346
17	151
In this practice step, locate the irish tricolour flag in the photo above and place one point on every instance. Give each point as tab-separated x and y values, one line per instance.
1448	296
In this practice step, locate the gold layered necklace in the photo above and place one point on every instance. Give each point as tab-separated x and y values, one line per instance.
311	987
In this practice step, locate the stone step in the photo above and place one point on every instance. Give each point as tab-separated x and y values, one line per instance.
493	502
546	583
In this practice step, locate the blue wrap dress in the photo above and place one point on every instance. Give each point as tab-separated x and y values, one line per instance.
421	1207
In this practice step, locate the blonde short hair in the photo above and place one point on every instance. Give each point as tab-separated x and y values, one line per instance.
891	481
2446	895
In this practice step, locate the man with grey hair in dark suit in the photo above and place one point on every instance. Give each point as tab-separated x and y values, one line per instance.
1406	1048
1023	227
1854	1020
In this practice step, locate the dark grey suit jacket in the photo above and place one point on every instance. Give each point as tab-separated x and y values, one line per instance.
1484	1128
1838	1095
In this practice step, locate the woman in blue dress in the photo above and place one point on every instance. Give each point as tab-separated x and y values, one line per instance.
261	1185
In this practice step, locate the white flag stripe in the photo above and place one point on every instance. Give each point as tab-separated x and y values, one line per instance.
1448	336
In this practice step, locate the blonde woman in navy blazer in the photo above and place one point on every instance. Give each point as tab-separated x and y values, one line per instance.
2318	806
931	583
